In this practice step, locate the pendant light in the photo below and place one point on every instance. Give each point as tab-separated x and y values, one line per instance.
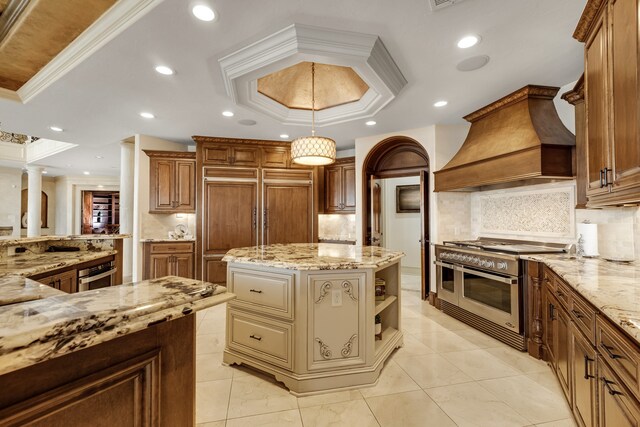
313	150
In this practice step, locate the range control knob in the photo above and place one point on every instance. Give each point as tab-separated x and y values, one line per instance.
502	265
475	260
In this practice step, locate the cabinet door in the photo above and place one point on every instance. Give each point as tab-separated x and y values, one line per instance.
183	265
287	213
336	322
617	408
562	336
246	156
185	186
597	110
49	281
67	281
275	157
584	380
349	188
332	189
162	186
624	79
159	265
215	270
550	306
230	216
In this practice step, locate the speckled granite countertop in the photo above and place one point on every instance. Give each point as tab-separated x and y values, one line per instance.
19	289
613	288
29	264
312	256
35	331
12	241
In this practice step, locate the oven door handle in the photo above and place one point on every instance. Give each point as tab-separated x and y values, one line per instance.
507	280
444	264
98	276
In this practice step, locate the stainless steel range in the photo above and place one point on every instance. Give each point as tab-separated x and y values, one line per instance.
481	282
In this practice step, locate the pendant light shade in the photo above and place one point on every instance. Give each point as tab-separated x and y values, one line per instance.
313	150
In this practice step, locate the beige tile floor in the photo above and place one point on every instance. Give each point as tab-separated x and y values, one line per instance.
447	374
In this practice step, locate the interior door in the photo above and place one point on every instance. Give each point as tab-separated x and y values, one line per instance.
376	211
425	246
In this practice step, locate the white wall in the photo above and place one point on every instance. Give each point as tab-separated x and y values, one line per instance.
146	225
10	187
49	188
401	231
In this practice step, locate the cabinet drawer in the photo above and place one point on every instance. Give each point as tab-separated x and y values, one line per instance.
584	317
260	337
619	353
268	293
171	248
562	292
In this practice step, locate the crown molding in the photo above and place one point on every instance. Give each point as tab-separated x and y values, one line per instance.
119	17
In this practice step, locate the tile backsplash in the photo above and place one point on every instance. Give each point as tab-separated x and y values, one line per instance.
337	227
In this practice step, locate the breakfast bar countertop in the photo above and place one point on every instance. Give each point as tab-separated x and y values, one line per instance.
611	287
314	256
39	330
30	264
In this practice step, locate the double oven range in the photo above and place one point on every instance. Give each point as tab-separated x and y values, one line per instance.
482	283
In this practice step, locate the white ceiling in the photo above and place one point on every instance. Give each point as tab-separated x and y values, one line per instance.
98	102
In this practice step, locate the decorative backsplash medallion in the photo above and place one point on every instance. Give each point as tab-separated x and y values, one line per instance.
543	212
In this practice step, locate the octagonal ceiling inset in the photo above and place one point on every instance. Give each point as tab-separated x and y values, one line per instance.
281	56
334	85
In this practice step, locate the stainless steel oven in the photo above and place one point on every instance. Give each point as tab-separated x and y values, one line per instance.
100	276
448	286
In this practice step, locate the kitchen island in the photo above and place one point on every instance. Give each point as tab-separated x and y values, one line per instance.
123	355
305	313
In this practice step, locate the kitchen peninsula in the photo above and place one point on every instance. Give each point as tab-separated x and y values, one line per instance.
305	313
122	355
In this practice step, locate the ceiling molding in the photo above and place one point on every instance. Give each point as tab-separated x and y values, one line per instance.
365	53
114	21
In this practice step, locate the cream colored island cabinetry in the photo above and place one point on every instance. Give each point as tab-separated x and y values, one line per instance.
305	313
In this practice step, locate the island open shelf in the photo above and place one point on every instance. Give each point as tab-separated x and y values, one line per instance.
305	313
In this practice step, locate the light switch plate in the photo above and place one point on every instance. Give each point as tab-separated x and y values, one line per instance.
336	298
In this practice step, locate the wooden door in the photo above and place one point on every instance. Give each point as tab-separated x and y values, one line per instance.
215	270
67	281
550	305
287	213
230	216
617	408
562	326
183	265
246	156
375	216
583	380
597	110
275	157
159	265
425	248
185	186
87	212
349	188
332	189
162	185
623	44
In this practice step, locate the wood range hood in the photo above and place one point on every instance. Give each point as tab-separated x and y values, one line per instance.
512	141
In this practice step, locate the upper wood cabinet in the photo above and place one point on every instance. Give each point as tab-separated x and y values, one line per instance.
340	186
172	182
609	30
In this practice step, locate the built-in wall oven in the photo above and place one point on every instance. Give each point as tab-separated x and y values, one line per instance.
99	276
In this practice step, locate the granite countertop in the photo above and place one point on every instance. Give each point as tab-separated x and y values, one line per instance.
12	241
29	264
167	240
314	256
612	287
35	331
20	289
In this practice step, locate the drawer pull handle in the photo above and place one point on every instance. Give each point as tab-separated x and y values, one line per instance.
607	384
560	294
586	367
577	314
607	349
552	310
256	291
255	337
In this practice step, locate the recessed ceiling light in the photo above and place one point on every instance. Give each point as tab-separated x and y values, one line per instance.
473	63
284	136
370	123
203	13
86	173
99	157
163	69
227	113
45	172
440	104
100	186
468	41
56	128
147	115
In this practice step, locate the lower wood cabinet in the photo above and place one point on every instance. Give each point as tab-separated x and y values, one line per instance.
584	380
65	282
616	405
168	259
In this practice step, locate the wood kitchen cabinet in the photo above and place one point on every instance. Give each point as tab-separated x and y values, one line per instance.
609	30
340	186
66	281
168	259
172	177
584	380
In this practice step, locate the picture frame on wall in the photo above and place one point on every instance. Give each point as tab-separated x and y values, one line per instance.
407	198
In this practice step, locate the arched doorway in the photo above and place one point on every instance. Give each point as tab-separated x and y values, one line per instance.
398	157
